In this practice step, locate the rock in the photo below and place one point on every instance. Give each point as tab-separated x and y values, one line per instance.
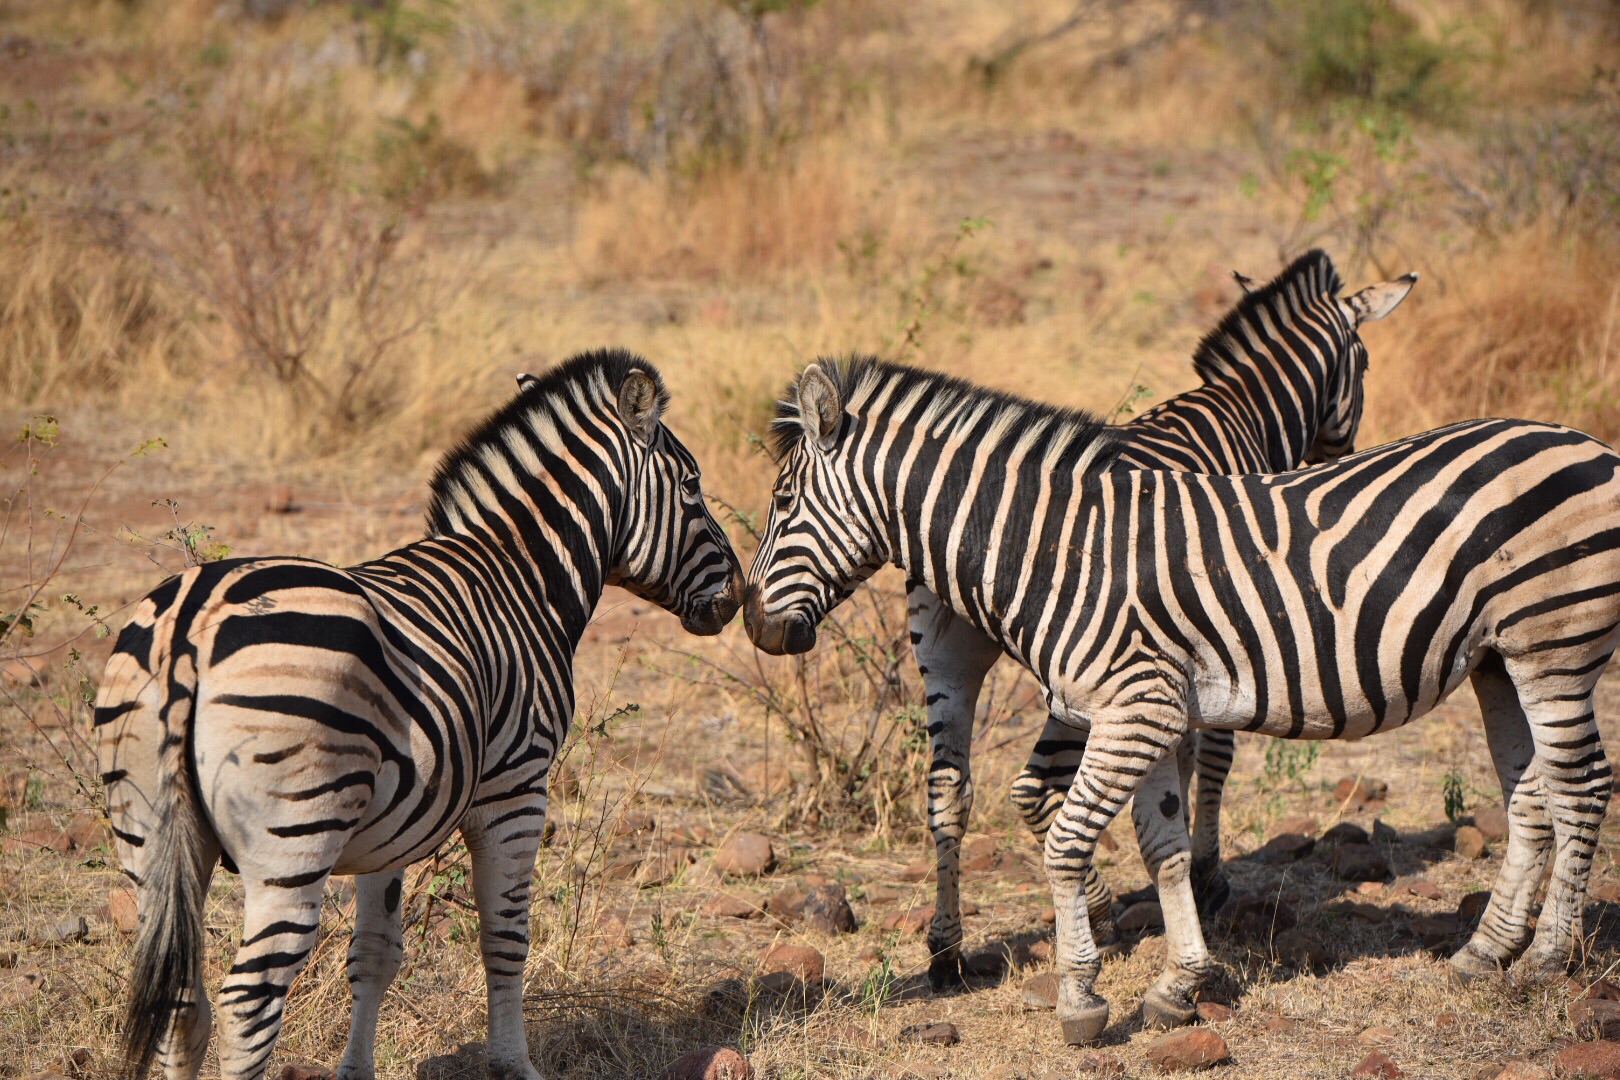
1042	952
870	955
942	1033
278	499
22	985
783	984
1447	1020
745	854
800	960
1303	824
827	909
1378	1036
1360	862
1279	1025
1285	848
1302	949
1049	915
730	906
1258	918
48	1074
72	928
692	834
662	867
121	910
1347	832
1096	1063
1472	906
788	904
87	831
1143	915
33	841
1371	913
1213	1012
1492	823
1425	888
302	1070
1521	1070
1595	1018
1591	1060
881	894
1379	1065
724	999
613	932
1356	792
919	871
1435	931
1469	842
709	1063
1608	892
1187	1050
1004	1072
909	920
1385	833
1369	888
1603	989
1041	991
914	1070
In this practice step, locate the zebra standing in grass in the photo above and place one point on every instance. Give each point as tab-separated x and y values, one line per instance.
1334	602
1281	385
295	720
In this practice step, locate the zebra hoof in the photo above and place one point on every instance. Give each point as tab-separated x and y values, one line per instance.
1082	1026
945	972
1533	968
1162	1009
1469	964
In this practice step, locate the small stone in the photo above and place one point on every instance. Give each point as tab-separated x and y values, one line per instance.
613	932
1425	888
709	1063
1378	1036
87	831
1144	915
801	960
692	834
278	499
1285	848
1301	948
1447	1020
1469	842
22	985
662	867
1369	888
1359	791
914	1070
303	1070
724	998
1595	1018
1591	1060
48	1074
943	1033
1042	952
745	854
78	1060
909	920
1347	832
788	904
72	928
1492	822
121	910
1360	862
1472	906
1384	833
1258	918
1608	892
1187	1050
729	906
919	871
1377	1064
847	1037
1213	1012
1303	824
1371	913
783	984
1095	1063
1049	915
1435	931
1279	1025
1521	1070
1041	991
1603	989
827	909
1004	1072
870	955
34	841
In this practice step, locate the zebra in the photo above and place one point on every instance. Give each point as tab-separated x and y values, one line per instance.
1333	602
293	720
1278	387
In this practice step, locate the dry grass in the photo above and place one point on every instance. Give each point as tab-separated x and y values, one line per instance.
419	210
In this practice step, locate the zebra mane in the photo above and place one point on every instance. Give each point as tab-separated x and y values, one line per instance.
863	380
598	373
1306	278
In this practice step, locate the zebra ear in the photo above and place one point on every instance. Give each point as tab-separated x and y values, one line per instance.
638	405
527	382
1244	281
819	406
1376	301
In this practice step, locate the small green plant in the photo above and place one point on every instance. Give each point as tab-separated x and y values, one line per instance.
1451	790
878	985
1288	760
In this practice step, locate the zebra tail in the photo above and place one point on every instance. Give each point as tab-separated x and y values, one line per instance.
168	945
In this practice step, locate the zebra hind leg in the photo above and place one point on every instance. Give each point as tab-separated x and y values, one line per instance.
1504	930
280	925
375	952
1212	762
1575	775
503	845
1038	793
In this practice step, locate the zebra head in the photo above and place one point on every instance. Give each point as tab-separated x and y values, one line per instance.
671	550
1344	391
818	543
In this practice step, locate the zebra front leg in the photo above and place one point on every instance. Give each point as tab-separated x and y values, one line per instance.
954	657
375	951
1504	929
1038	792
1159	810
1577	781
1119	756
1212	759
503	844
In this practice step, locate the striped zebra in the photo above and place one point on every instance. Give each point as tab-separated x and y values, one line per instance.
1333	602
1281	385
293	720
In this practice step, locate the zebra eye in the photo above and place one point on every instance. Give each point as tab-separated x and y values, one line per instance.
783	501
691	487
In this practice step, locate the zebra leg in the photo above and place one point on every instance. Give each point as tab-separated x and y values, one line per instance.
953	656
1159	810
374	955
1212	762
280	925
503	844
1119	756
1577	781
1038	792
1504	930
